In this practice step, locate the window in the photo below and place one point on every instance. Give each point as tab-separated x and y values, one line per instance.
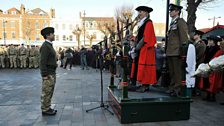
64	37
38	36
12	24
13	35
14	12
70	37
63	26
56	37
37	25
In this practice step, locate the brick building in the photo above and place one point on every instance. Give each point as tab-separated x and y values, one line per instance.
23	26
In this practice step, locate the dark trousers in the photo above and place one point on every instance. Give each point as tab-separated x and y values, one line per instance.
134	79
68	60
175	72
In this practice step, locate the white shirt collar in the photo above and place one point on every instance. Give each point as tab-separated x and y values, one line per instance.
141	22
49	41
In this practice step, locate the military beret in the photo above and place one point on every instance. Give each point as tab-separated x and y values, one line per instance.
197	32
47	31
174	7
144	8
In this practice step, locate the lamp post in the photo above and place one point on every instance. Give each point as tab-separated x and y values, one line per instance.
214	18
4	35
84	25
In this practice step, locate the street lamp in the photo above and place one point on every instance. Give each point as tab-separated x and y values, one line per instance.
84	25
214	18
4	35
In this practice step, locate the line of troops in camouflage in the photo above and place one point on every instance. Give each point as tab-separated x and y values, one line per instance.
14	56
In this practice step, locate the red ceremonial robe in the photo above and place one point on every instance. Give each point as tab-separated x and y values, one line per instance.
147	62
215	78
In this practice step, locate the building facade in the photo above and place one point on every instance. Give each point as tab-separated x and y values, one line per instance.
64	35
23	26
93	29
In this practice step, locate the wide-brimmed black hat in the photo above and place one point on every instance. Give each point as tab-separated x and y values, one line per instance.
47	31
144	8
198	32
175	7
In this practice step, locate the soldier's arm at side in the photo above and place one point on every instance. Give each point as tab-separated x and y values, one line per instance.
183	31
43	61
201	51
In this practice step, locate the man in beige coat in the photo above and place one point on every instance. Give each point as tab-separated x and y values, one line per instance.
177	36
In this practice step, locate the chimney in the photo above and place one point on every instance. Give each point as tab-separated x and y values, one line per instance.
22	9
52	13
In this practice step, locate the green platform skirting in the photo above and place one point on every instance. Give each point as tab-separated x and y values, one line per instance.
148	107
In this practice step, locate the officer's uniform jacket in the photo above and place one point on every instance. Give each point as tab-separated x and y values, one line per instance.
177	35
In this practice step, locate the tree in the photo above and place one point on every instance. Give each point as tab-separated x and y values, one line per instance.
91	37
124	20
192	6
77	32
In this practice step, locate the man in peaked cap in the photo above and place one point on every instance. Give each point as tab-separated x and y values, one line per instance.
200	47
144	67
177	37
48	67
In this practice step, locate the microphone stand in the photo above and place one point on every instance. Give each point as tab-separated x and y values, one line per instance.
102	105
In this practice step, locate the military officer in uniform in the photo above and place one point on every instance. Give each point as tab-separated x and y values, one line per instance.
48	67
200	47
12	51
22	56
177	36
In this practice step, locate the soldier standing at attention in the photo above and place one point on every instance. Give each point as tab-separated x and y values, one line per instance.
36	57
22	56
48	65
31	56
12	56
177	36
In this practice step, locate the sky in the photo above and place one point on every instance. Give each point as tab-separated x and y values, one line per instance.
69	9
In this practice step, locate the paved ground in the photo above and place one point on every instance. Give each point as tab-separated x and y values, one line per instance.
76	91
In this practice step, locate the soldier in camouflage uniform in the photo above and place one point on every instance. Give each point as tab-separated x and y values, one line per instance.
22	56
31	57
2	57
48	65
36	57
12	51
7	63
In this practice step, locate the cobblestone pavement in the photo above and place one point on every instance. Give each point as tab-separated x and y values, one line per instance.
76	91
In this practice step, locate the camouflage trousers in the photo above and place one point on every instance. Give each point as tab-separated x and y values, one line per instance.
12	59
47	92
2	63
23	61
33	62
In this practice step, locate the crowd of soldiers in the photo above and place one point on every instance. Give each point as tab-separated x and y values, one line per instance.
19	56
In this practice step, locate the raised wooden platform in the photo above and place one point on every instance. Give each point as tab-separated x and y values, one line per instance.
148	107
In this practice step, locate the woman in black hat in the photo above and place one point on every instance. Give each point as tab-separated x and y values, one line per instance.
210	51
